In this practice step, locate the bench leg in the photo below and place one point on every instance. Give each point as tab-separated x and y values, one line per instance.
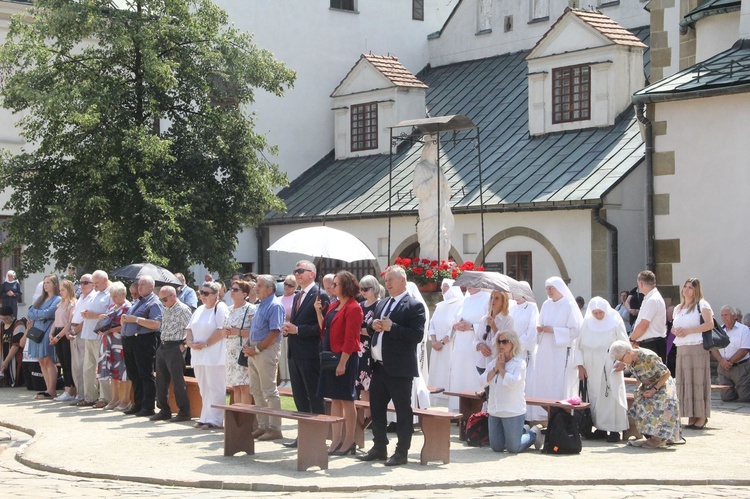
311	446
437	440
238	433
359	432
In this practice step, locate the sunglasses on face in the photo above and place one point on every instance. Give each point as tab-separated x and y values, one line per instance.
503	342
236	290
301	271
366	289
86	283
206	293
164	300
287	285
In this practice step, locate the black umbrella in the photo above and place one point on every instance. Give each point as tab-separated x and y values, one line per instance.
160	275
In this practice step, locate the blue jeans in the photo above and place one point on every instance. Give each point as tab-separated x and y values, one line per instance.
508	433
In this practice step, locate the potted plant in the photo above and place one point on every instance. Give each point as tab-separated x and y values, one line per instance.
428	274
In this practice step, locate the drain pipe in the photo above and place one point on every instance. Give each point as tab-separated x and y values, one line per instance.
649	140
613	245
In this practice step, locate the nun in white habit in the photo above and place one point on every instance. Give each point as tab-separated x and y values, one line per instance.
601	327
555	375
420	396
441	338
464	374
525	314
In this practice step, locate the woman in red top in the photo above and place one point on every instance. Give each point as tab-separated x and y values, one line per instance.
341	327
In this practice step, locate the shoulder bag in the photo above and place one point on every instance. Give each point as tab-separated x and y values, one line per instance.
35	334
716	338
242	358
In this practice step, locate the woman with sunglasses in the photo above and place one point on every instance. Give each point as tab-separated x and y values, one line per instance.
342	324
236	331
371	293
506	402
656	408
205	337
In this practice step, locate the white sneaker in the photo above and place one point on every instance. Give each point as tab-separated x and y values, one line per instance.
64	397
539	442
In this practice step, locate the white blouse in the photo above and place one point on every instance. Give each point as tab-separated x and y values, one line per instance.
507	396
687	319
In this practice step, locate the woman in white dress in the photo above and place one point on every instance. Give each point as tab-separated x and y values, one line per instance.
601	327
497	319
441	337
555	375
205	337
236	330
464	374
525	314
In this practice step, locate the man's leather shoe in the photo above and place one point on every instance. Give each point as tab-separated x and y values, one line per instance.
131	412
180	418
373	455
257	433
144	413
290	445
161	416
396	460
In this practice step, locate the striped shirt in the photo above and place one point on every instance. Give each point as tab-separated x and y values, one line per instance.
174	320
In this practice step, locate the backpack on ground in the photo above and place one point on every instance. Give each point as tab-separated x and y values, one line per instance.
562	435
477	430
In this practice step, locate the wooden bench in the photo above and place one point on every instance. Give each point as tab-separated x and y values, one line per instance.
312	450
436	430
633	381
194	396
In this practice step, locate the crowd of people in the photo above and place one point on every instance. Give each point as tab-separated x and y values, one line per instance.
356	339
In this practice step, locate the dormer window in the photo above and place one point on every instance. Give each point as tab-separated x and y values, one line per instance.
343	5
364	126
571	94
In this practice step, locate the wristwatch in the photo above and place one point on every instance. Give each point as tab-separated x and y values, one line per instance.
257	350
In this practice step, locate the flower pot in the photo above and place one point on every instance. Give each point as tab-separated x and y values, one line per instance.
430	287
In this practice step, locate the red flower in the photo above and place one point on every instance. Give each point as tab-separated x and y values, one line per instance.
417	270
398	260
443	266
468	265
429	274
406	262
425	261
454	273
480	268
382	274
434	263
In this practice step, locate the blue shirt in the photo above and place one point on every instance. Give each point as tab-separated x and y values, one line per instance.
270	315
148	307
188	297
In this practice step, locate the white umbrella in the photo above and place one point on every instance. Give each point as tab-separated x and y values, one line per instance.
324	242
495	281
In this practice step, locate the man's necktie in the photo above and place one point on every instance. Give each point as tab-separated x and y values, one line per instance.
388	310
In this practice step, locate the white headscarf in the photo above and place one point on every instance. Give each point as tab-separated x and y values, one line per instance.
557	283
413	291
611	317
454	292
12	274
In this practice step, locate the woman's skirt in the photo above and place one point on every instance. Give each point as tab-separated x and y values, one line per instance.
693	378
340	387
111	358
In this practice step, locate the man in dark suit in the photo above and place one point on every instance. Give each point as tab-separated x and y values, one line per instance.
396	332
303	337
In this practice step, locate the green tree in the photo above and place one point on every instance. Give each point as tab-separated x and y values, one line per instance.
140	147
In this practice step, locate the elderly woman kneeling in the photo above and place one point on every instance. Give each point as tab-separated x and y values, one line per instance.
506	403
656	408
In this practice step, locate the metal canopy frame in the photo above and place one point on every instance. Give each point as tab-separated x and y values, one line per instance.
436	126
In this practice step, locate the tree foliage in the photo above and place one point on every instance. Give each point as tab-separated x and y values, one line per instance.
140	145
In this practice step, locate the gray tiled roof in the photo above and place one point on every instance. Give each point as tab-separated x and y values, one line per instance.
708	8
573	168
726	72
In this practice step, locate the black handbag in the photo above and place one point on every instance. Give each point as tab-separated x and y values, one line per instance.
716	338
35	334
329	360
584	418
242	358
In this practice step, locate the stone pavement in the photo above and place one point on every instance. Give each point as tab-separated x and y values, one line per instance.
75	450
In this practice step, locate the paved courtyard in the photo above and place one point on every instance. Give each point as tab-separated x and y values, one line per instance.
51	449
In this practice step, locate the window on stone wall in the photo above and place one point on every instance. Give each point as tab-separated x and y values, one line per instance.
364	126
343	4
417	10
359	269
518	265
571	94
